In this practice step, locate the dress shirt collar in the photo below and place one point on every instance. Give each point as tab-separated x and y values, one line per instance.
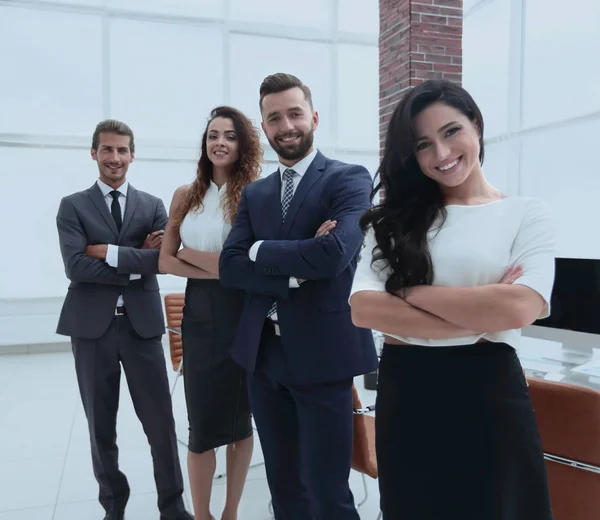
106	189
300	167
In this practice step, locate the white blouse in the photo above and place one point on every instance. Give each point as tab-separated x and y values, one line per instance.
475	246
205	229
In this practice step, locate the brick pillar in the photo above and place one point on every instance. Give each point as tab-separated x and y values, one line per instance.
418	40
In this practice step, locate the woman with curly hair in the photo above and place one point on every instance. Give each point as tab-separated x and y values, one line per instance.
452	269
200	218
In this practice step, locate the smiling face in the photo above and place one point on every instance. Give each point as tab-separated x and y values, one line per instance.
289	124
113	157
222	143
447	145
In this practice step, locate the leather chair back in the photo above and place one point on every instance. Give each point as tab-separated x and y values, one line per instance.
174	314
568	418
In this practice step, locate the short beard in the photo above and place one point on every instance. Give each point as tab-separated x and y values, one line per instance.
298	151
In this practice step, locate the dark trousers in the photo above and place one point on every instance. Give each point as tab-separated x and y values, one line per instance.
306	437
98	366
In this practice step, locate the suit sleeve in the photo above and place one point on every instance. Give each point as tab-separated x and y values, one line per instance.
73	241
235	267
133	260
325	256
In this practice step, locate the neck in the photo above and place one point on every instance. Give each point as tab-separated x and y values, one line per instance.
220	175
115	185
290	163
475	190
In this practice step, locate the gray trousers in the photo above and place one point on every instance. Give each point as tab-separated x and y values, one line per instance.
98	366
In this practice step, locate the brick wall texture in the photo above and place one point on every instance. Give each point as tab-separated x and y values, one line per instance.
418	40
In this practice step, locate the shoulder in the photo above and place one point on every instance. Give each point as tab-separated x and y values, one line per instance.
76	198
146	197
259	185
340	168
531	209
180	192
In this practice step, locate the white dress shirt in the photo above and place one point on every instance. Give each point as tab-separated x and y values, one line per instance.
300	168
112	252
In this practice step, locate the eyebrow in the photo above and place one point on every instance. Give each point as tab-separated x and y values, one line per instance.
225	132
291	109
447	125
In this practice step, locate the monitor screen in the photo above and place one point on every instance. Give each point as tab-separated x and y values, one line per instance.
575	303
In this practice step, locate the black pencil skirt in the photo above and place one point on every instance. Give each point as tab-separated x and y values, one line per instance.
215	386
457	437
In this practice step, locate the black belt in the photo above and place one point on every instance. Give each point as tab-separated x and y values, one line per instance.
121	311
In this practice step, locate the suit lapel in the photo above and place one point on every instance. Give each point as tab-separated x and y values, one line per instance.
131	204
312	175
273	199
98	199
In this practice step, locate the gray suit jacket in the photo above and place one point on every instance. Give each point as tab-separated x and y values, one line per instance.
84	219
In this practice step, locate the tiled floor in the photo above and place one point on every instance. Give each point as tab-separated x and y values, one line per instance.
45	463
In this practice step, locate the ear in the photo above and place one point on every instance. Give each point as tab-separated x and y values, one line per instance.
315	120
262	125
132	156
93	154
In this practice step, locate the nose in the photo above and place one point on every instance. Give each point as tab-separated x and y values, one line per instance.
285	125
442	151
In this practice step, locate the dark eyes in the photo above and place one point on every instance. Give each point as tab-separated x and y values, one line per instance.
424	144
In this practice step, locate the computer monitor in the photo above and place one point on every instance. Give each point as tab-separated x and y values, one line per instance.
575	305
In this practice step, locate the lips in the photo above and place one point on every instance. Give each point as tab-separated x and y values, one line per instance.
449	166
289	139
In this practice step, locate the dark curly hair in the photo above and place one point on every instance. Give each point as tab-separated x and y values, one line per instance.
412	203
246	169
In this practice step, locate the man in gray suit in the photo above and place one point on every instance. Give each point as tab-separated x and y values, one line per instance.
110	237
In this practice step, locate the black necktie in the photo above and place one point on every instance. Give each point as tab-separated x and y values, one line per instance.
115	209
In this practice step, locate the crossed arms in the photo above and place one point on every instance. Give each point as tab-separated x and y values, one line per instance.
449	312
86	263
321	257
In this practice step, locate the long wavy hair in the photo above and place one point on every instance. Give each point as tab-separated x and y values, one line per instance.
411	204
245	170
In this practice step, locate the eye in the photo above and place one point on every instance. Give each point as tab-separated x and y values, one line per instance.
422	146
452	131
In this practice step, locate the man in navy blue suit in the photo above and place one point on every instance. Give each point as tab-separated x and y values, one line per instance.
293	248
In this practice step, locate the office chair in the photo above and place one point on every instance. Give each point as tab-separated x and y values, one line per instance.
568	418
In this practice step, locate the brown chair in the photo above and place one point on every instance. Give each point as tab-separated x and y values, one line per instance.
568	418
174	314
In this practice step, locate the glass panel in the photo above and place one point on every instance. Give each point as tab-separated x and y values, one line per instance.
562	76
312	13
358	16
196	8
58	86
486	42
165	78
358	97
556	166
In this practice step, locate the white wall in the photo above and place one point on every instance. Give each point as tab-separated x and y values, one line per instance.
160	66
533	67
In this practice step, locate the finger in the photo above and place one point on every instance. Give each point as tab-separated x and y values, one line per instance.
160	232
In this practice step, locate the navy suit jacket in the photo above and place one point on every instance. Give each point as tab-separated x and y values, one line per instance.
320	342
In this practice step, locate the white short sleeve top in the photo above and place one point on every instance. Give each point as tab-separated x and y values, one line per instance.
205	229
475	246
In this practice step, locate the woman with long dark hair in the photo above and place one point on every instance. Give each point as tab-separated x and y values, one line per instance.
451	271
200	218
